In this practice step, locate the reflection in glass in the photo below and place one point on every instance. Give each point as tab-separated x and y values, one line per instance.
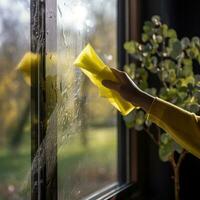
87	135
15	151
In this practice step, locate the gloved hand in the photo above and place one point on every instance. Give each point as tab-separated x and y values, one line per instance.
129	90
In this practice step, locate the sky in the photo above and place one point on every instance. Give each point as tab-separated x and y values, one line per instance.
9	10
18	8
74	14
79	14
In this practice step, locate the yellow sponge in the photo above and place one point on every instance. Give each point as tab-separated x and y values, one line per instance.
93	67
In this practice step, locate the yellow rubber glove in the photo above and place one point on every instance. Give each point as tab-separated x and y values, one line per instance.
93	67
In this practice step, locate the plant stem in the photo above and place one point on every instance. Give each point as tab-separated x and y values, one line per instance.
151	136
177	183
159	134
176	169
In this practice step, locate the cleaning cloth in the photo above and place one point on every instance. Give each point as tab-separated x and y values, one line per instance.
95	69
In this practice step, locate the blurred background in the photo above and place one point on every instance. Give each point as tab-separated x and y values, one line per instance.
14	98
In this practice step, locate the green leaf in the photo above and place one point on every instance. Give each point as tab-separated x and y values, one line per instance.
193	107
148	63
166	147
154	60
156	20
172	76
182	95
137	56
198	58
193	53
140	118
176	49
131	47
165	151
151	91
159	39
196	41
169	93
185	42
129	119
186	81
148	123
148	27
187	71
130	69
171	33
164	75
143	73
145	37
197	77
165	138
197	96
187	62
164	30
197	85
147	47
177	147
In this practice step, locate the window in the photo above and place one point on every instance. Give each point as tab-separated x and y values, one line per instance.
75	144
87	134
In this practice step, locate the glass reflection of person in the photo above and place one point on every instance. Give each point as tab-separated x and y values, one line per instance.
183	126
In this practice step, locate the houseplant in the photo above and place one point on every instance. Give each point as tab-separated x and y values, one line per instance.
165	66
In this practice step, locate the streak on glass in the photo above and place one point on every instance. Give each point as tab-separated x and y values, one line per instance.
86	123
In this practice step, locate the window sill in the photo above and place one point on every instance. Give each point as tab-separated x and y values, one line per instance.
116	191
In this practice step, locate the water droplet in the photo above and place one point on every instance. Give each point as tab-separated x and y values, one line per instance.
78	192
89	23
110	57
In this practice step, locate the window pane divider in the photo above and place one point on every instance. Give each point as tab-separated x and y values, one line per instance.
43	154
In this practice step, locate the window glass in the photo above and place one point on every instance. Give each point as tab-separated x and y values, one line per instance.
15	159
86	123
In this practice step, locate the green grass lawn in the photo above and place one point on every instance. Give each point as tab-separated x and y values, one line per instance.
83	170
77	165
14	167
